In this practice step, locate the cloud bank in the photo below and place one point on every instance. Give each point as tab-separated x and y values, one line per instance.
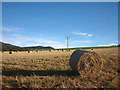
83	34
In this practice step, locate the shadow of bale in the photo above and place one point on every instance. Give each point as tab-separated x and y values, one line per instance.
39	72
10	52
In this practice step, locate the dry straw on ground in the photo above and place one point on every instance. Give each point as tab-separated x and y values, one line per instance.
86	63
52	70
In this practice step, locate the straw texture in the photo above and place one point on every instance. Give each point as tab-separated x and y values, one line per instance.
85	62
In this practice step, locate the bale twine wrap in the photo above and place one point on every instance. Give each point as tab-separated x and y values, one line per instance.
85	62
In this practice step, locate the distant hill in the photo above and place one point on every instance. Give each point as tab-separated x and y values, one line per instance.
38	47
10	47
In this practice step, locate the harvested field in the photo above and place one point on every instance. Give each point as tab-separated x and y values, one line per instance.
46	69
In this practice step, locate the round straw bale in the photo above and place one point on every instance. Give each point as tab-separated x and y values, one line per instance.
36	50
10	52
28	51
91	48
85	63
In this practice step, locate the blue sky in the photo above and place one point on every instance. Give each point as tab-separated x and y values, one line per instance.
48	24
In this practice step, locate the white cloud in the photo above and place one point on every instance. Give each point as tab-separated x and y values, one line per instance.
113	44
118	41
20	40
56	46
27	45
82	46
80	33
53	42
34	39
90	35
83	33
9	29
109	44
81	41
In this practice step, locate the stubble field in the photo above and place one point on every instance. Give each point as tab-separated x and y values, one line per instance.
46	69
